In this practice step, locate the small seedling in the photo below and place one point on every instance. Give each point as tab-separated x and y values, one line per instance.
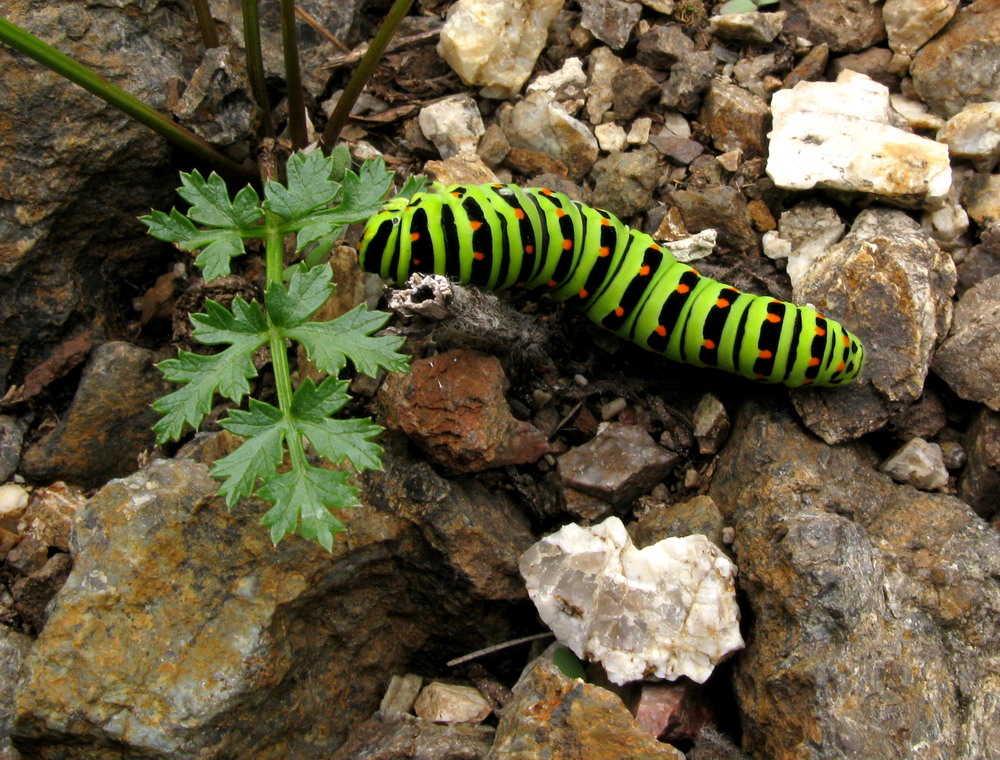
319	197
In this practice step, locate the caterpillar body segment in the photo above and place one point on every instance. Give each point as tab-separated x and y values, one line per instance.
501	236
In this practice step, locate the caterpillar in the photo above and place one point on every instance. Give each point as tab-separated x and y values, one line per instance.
501	236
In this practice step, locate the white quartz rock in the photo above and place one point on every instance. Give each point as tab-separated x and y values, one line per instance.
495	43
668	610
565	85
842	136
541	124
974	134
454	125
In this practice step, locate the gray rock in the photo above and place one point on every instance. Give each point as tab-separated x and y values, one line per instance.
974	134
979	485
11	439
633	90
14	650
969	360
108	425
958	67
919	463
845	25
390	735
625	182
719	207
220	627
888	281
601	69
217	104
874	605
689	78
611	21
754	28
663	46
541	124
710	424
620	463
453	124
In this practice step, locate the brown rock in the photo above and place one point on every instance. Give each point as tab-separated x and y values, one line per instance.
736	119
845	25
453	407
721	208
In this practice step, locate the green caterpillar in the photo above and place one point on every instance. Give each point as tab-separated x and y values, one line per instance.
499	236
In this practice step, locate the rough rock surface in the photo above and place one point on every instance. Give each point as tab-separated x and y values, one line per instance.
958	67
554	717
452	406
844	25
668	610
189	610
969	360
874	604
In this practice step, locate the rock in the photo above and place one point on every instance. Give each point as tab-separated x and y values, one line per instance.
401	692
495	45
217	104
981	197
625	182
689	78
911	23
982	261
11	440
805	233
638	134
719	207
610	137
924	418
810	68
735	119
874	63
980	482
840	136
666	7
919	463
752	28
540	124
969	360
954	455
50	515
493	146
221	627
450	703
13	502
957	68
663	46
566	85
678	149
620	463
974	134
711	745
672	712
108	425
633	91
14	650
391	735
873	603
62	273
556	717
453	407
464	168
845	25
700	515
33	592
916	113
453	125
710	424
888	281
610	21
668	610
601	69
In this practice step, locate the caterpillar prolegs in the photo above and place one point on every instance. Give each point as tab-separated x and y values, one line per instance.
500	236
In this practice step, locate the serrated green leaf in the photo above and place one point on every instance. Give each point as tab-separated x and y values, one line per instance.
245	326
414	184
308	186
257	457
227	372
349	336
210	204
214	260
335	440
317	228
366	190
303	499
307	290
173	227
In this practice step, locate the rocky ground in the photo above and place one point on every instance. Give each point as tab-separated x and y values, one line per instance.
840	153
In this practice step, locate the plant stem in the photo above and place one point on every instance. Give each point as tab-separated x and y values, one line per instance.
94	83
275	260
293	77
363	73
205	23
255	63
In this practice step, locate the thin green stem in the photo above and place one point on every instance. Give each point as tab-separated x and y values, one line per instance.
205	23
94	83
255	63
363	73
274	256
293	77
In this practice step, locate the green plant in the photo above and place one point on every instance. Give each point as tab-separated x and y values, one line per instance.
744	6
320	195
